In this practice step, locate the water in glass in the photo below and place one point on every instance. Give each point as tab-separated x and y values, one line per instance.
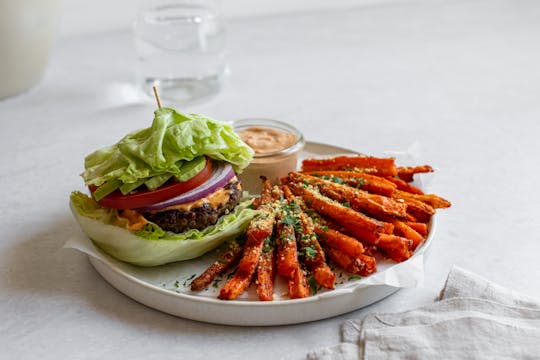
181	48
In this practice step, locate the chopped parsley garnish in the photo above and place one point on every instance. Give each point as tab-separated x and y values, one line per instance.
289	220
267	247
188	279
310	252
313	286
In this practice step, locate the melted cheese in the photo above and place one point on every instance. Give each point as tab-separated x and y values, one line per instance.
131	220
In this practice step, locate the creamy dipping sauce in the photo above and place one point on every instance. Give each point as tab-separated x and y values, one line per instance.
276	152
265	140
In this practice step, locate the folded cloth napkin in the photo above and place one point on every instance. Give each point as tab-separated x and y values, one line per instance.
472	319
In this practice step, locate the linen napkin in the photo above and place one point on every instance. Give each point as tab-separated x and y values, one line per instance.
473	318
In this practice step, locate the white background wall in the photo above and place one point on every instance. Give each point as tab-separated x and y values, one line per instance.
84	16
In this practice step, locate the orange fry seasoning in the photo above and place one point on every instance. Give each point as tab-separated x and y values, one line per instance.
368	164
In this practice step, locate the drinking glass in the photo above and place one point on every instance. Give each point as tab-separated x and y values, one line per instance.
180	47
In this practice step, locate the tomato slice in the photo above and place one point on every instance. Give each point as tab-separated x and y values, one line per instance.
141	198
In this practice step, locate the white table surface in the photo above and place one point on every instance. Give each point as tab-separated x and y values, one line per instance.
460	79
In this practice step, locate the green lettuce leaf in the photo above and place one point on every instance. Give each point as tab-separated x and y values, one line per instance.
172	140
152	246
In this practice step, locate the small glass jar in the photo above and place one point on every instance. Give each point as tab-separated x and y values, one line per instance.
272	162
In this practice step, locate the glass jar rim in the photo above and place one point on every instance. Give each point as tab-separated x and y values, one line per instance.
243	124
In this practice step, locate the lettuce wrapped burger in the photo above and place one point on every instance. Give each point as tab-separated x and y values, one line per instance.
165	193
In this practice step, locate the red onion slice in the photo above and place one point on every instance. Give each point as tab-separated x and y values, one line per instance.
222	174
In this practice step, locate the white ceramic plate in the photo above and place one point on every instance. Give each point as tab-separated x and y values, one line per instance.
166	288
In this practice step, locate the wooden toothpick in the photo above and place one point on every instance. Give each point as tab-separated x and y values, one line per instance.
156	94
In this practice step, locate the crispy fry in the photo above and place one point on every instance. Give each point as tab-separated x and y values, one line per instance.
259	229
395	247
367	164
402	229
370	265
370	183
234	287
310	249
344	209
343	260
419	227
359	200
404	186
311	252
323	275
432	200
410	218
362	226
339	241
226	259
376	208
266	272
362	265
406	172
298	285
267	196
419	215
287	252
420	211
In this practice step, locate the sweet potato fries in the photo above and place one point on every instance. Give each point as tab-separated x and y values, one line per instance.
334	213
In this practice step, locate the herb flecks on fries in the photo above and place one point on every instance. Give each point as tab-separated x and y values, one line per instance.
334	213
